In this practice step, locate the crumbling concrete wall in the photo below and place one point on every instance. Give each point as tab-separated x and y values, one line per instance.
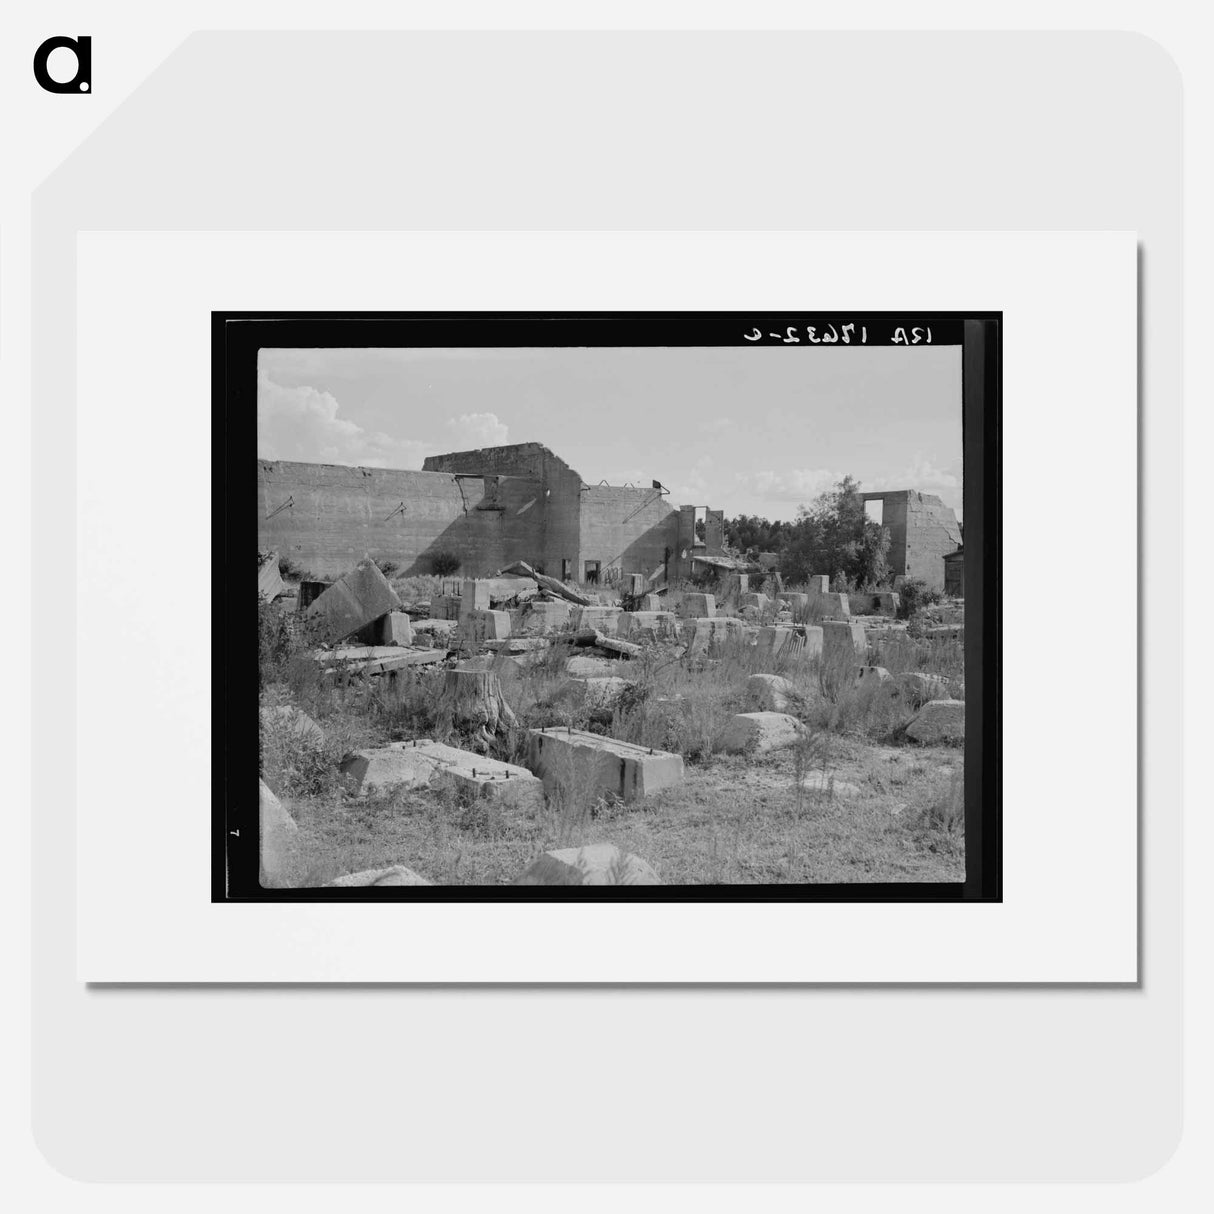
922	529
554	519
630	530
326	517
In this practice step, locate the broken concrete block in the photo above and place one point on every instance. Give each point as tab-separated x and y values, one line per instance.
774	639
771	693
595	694
269	580
293	720
477	627
595	864
547	616
919	687
819	583
353	601
413	765
382	768
275	829
614	645
698	606
571	758
475	597
375	659
705	637
761	732
398	874
843	641
760	602
604	619
797	603
868	676
653	602
939	721
394	628
649	625
636	584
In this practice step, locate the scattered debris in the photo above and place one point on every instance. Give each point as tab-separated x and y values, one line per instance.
595	864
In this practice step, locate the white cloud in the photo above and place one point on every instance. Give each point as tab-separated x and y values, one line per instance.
303	423
478	430
697	487
801	485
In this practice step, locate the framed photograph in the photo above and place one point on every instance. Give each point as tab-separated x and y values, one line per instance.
643	606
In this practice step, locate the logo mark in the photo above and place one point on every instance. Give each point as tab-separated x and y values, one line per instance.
82	48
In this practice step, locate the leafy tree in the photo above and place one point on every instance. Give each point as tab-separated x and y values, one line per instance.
835	536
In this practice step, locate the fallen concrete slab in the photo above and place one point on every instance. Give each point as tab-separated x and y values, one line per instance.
352	602
589	667
595	864
919	686
572	758
548	583
424	763
771	693
761	732
939	721
377	659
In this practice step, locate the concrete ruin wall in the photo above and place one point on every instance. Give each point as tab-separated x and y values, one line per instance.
922	529
554	518
631	530
337	514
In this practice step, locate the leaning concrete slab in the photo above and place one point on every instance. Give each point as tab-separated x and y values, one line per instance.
563	757
276	827
595	864
761	732
353	601
939	721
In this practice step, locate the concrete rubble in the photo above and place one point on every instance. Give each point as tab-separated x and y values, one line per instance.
938	721
398	874
594	864
572	758
352	602
761	732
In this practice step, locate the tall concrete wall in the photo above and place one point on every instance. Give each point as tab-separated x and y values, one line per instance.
554	518
325	517
922	529
633	530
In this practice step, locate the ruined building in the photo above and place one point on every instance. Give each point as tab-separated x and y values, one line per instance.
488	508
922	532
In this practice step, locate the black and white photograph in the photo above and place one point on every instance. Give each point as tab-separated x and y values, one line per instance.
638	601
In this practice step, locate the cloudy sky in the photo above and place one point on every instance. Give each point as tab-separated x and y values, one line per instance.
750	430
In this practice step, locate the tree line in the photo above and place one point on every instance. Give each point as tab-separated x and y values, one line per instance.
833	535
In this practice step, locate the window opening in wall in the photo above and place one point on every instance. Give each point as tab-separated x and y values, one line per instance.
875	509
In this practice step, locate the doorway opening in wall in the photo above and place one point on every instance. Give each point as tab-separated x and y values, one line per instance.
591	572
566	569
